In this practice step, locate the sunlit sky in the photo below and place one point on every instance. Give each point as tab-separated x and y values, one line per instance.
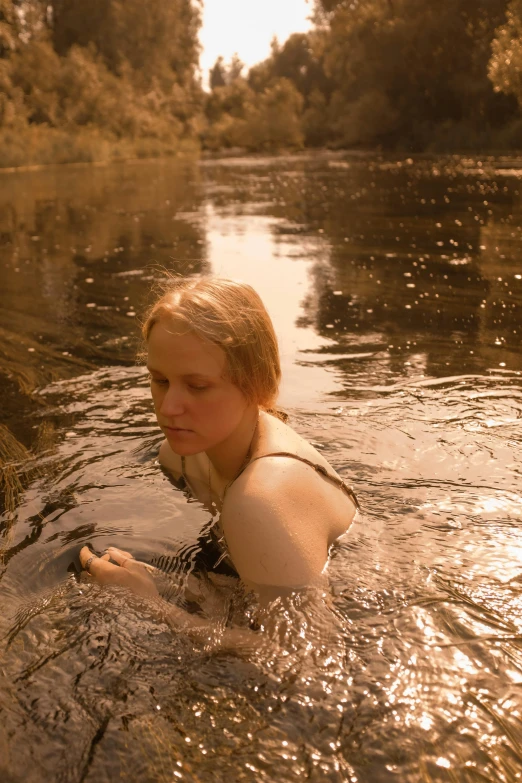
247	27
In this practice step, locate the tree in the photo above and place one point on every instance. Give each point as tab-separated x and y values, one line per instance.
275	122
296	60
156	39
239	117
8	27
300	61
217	75
222	74
505	66
425	65
122	68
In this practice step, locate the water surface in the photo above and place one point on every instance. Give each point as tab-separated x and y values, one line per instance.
395	287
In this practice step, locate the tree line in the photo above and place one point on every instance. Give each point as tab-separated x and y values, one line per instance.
395	74
106	78
121	78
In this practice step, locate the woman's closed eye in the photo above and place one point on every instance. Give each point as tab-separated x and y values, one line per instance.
194	387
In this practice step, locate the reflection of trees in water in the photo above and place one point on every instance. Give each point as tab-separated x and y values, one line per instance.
416	248
407	249
78	237
422	264
500	262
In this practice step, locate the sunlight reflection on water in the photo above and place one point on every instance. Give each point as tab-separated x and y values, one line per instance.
410	669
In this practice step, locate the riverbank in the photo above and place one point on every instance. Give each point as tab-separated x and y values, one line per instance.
37	146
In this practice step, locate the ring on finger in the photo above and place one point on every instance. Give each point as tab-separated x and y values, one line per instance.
88	563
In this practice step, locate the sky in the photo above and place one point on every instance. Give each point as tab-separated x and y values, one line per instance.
247	27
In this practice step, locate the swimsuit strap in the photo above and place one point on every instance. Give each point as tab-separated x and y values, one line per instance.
318	468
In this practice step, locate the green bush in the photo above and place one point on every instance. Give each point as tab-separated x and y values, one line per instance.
268	121
113	81
41	145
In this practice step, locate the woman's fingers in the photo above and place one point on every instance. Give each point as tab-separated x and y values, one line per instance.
119	555
99	567
106	573
126	560
86	557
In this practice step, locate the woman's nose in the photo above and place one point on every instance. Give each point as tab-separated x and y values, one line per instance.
172	403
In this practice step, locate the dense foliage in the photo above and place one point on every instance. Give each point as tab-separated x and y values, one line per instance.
411	72
119	75
407	74
121	79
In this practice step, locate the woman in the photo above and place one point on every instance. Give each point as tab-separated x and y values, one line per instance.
214	368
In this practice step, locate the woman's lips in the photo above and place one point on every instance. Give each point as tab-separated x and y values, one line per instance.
177	430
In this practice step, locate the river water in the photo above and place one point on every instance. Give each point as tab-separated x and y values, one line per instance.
395	287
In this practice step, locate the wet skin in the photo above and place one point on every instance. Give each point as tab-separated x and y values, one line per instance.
279	517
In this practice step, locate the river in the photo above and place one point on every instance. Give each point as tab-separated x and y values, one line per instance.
395	287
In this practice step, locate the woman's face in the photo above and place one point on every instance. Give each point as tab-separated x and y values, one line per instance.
197	407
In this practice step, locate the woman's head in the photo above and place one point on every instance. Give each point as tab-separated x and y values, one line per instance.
229	315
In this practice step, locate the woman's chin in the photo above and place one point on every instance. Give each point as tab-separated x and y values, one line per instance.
183	442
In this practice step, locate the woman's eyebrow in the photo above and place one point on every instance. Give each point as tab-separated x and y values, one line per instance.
187	375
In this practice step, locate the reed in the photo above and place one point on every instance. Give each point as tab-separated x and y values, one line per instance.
30	373
12	453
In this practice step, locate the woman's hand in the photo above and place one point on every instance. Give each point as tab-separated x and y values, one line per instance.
127	572
136	575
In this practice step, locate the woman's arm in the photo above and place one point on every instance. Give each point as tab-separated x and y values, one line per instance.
280	611
138	577
277	531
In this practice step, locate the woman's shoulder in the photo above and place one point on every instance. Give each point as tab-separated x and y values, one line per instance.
280	518
281	439
286	479
289	477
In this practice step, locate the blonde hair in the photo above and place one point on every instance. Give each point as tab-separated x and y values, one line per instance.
231	315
